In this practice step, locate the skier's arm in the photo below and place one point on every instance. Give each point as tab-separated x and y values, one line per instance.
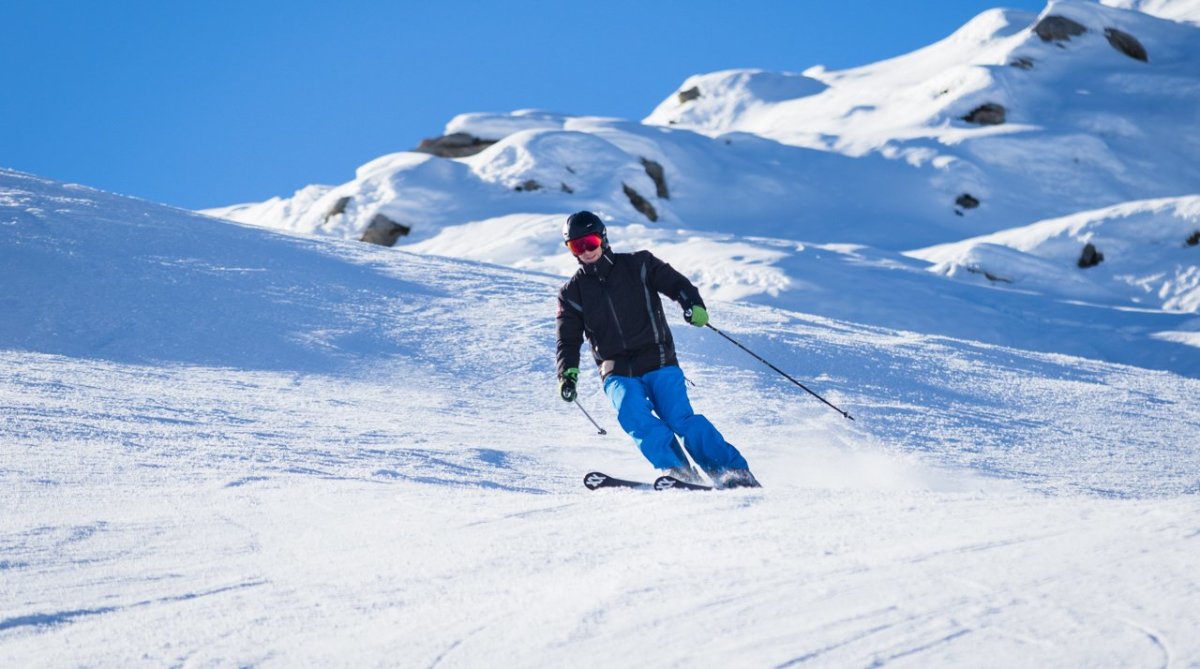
665	279
570	333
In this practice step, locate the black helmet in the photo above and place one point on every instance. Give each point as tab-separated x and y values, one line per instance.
583	223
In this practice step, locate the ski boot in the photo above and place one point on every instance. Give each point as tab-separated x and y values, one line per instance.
686	473
736	478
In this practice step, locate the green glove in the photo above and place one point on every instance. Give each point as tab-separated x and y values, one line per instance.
566	384
696	316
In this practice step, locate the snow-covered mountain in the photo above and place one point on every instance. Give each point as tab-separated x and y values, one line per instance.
1065	122
1085	125
788	189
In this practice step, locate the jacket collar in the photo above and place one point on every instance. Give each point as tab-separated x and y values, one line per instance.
601	268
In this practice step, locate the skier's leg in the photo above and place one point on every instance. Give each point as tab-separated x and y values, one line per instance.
636	416
703	441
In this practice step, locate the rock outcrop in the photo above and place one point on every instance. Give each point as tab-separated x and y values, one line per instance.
384	231
454	145
1058	29
1126	44
989	113
338	207
994	278
1061	29
1090	256
655	171
640	203
690	94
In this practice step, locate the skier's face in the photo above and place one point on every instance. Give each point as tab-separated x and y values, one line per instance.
589	257
587	248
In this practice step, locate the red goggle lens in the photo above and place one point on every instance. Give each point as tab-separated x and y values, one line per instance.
584	244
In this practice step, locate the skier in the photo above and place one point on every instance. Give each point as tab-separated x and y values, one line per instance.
613	300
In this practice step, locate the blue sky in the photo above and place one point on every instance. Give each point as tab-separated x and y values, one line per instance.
201	104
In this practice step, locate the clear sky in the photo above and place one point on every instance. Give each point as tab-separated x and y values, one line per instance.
214	102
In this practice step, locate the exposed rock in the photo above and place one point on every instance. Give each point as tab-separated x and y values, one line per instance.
384	231
338	207
1126	44
1058	29
566	188
989	276
1194	239
656	174
640	203
1022	63
528	185
1090	256
987	114
967	201
689	95
455	145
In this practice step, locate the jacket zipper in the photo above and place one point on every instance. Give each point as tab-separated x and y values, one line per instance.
612	309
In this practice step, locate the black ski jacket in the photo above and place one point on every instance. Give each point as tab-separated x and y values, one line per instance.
615	303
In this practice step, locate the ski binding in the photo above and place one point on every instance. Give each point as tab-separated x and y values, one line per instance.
672	483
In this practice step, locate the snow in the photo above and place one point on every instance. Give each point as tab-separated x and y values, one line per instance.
1148	261
265	443
296	450
1177	10
498	126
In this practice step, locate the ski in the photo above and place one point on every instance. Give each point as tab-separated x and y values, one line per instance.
672	483
597	480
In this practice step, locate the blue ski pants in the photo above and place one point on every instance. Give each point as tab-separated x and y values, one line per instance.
654	407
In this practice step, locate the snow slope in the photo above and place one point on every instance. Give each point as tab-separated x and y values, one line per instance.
1176	10
225	445
1150	255
264	444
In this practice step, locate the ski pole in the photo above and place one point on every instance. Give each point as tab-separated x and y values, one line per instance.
589	417
759	358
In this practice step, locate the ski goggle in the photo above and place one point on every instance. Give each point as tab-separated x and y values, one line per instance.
585	243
